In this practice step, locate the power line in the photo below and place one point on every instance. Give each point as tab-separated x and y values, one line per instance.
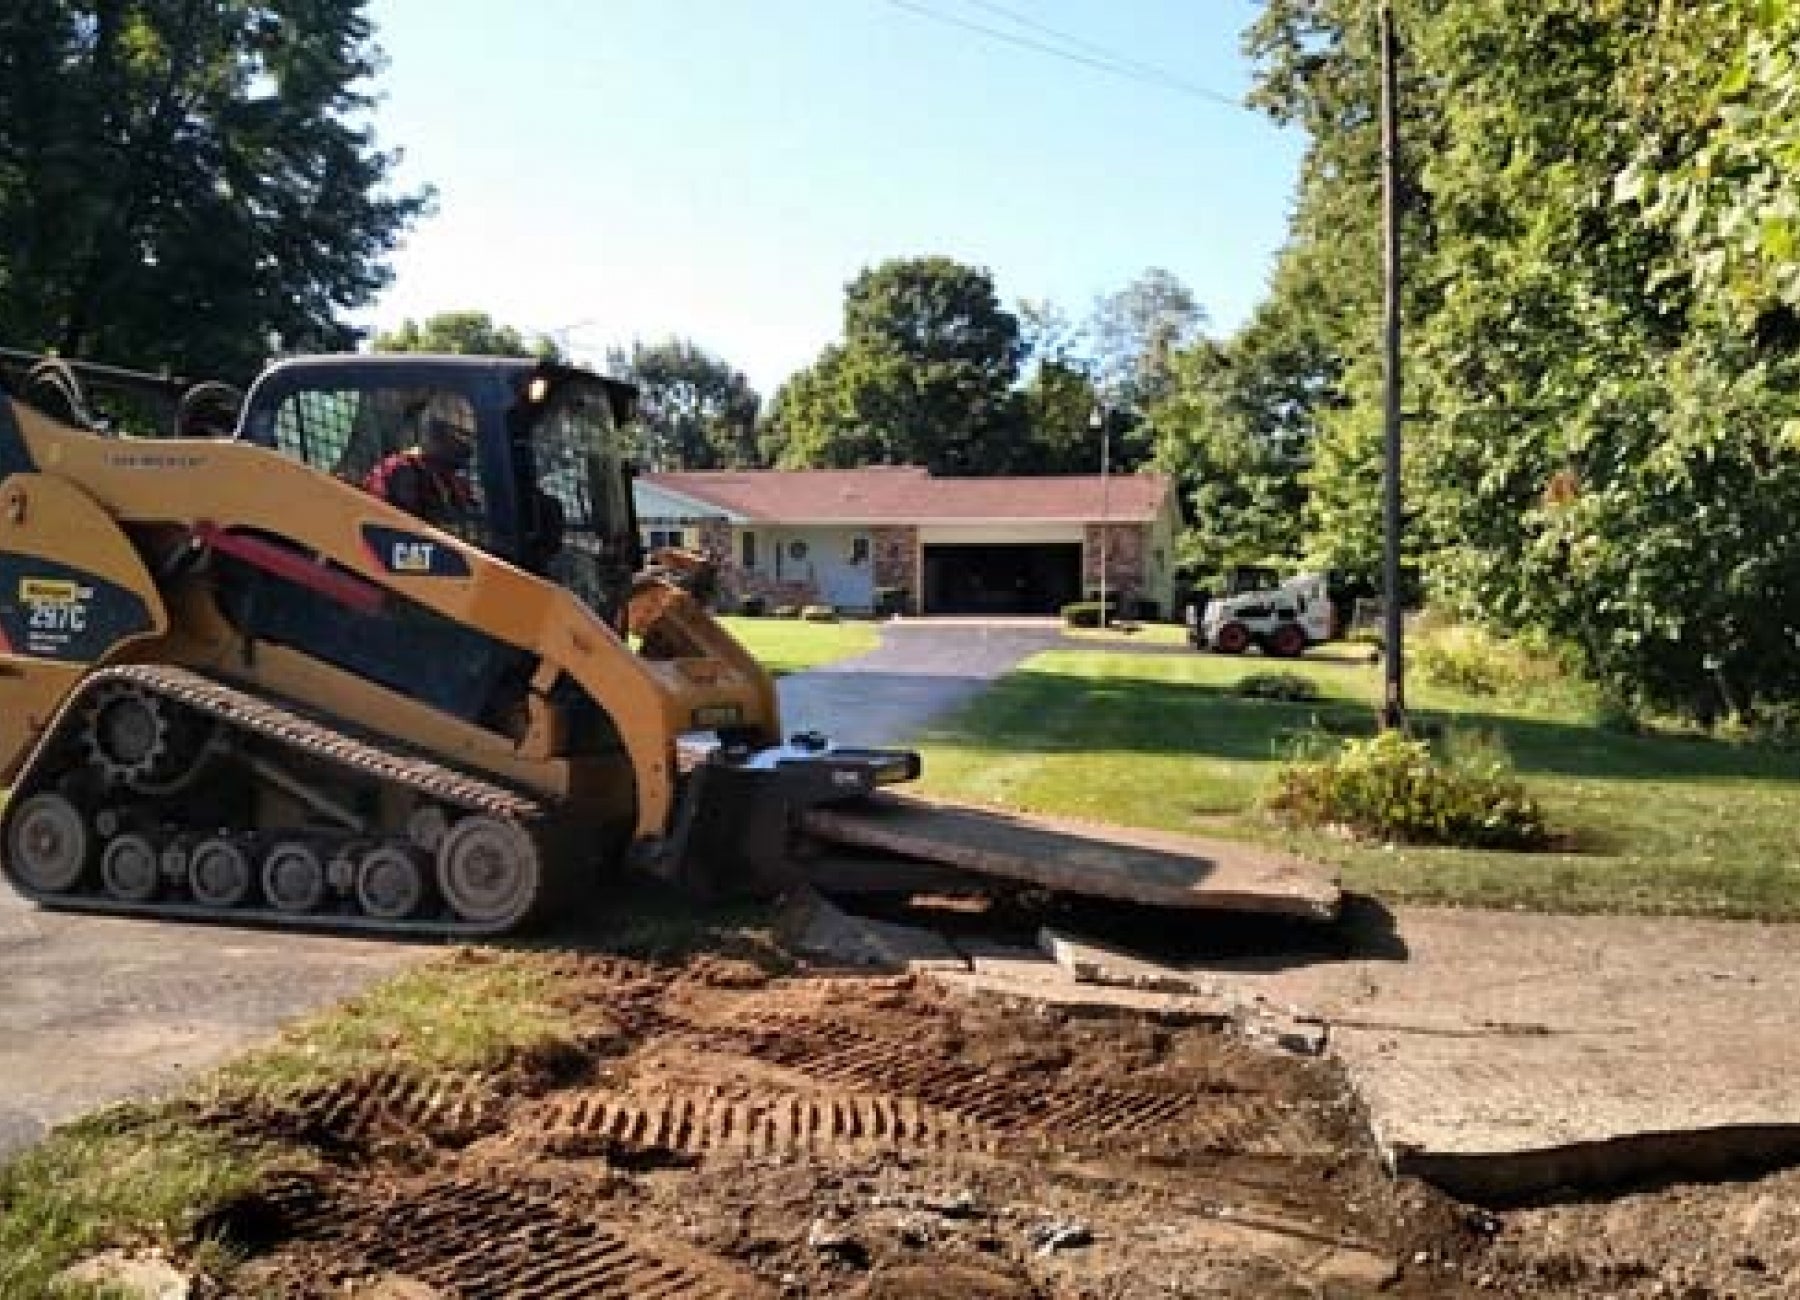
1100	59
1148	70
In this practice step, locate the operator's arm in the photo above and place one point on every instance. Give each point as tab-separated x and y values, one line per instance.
408	489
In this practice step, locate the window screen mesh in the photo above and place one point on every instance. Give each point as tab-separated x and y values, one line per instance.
348	433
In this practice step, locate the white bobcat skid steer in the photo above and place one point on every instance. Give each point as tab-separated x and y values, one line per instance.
1283	620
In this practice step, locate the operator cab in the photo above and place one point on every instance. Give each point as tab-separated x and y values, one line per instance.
545	484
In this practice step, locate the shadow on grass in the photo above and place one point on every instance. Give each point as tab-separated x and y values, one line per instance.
1050	712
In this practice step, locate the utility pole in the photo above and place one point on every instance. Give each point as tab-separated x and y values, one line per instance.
1393	709
1102	420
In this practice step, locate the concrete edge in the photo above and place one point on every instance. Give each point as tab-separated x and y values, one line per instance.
1500	1178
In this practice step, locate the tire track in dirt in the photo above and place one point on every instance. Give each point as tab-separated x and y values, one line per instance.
701	1121
450	1110
1032	1109
482	1240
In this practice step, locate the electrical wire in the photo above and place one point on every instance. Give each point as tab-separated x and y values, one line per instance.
1098	57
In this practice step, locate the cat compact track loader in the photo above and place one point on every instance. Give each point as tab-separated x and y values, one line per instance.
236	683
233	682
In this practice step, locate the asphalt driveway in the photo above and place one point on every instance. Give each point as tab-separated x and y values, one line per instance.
98	1009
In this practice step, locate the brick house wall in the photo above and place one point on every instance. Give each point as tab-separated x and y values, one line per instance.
896	550
1127	559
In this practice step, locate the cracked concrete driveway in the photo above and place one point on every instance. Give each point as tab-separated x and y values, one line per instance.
97	1009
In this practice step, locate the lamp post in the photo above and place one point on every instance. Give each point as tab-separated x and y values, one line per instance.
1097	421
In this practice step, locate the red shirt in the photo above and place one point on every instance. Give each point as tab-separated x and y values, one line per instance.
409	480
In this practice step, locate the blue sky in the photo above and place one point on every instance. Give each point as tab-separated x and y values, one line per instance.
720	169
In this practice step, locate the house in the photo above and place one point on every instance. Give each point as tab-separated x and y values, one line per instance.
931	545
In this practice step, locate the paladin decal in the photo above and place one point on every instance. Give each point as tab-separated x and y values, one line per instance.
52	611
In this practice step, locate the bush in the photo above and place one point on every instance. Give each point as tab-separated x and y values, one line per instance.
752	606
819	614
1468	659
787	611
1394	788
1086	613
892	600
1289	687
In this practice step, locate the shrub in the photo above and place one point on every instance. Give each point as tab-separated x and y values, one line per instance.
1086	613
787	611
1289	687
752	606
1469	659
819	614
892	600
1394	788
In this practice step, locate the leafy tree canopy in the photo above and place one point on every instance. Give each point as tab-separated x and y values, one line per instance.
697	411
465	333
1603	304
924	375
182	181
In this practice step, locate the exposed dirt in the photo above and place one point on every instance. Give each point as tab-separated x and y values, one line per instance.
716	1131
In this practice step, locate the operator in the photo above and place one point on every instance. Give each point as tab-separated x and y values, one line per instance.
430	479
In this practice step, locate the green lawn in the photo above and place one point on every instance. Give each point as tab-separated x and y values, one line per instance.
1658	824
789	645
1133	633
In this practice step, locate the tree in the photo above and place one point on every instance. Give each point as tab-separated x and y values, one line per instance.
1135	334
924	375
1603	348
1236	442
180	180
699	413
465	333
1058	404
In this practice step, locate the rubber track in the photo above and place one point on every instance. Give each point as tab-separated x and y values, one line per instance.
1052	1112
483	1241
319	741
698	1121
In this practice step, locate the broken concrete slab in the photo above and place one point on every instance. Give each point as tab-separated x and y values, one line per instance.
1149	867
816	927
1511	1054
1089	961
147	1275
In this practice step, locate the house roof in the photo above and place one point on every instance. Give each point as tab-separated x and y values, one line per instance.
911	494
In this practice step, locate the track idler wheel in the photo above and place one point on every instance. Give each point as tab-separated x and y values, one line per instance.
293	878
50	845
131	869
489	872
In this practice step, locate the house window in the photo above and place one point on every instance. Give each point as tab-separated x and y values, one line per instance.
749	550
797	550
859	550
666	537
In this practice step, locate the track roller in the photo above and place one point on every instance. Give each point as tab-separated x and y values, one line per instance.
131	869
293	878
219	873
390	885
